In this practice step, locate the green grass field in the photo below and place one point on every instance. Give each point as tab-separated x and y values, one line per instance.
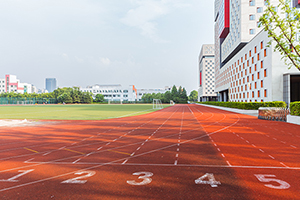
74	112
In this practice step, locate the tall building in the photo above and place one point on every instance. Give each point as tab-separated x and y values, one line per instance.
246	68
206	62
50	84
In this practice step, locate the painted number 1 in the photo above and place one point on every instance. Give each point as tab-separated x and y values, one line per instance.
267	178
146	178
13	179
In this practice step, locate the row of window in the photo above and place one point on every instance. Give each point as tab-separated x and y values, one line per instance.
252	2
253	94
106	91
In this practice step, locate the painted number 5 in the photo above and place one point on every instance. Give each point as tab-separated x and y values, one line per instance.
267	178
146	178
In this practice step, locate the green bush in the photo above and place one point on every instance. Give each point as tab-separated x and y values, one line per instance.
248	106
295	108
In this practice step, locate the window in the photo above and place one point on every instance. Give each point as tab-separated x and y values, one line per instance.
258	56
251	17
252	77
257	75
255	85
261	45
251	31
265	73
249	53
261	83
265	93
261	64
251	2
254	49
265	52
258	93
259	9
255	67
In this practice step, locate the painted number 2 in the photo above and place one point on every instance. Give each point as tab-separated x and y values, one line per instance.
267	178
146	178
77	179
208	179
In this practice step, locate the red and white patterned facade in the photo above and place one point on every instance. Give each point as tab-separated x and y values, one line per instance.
246	69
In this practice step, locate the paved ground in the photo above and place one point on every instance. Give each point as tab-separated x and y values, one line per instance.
181	152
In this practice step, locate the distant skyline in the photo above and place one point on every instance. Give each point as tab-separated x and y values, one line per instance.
147	43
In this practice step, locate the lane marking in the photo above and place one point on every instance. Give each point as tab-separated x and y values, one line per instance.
222	155
31	150
76	160
284	165
119	152
293	146
124	161
229	164
271	157
261	150
74	151
175	162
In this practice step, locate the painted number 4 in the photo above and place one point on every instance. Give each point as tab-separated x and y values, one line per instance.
208	179
267	178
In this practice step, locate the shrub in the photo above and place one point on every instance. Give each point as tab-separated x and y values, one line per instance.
247	106
295	108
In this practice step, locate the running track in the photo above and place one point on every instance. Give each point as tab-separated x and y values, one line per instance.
181	152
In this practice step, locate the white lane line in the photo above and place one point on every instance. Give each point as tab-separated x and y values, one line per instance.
253	145
222	155
247	141
271	157
99	148
218	149
138	148
76	160
28	160
132	154
293	146
284	165
175	162
261	150
124	162
228	163
177	149
177	155
274	138
108	143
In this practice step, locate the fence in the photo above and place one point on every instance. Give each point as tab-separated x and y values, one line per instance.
26	101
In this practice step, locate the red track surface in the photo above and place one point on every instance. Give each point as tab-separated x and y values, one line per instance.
153	156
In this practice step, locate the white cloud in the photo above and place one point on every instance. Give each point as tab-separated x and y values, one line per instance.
105	61
146	13
65	56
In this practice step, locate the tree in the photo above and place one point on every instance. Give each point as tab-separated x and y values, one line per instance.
282	25
193	96
99	98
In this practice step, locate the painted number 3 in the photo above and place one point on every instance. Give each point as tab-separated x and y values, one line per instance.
145	178
267	178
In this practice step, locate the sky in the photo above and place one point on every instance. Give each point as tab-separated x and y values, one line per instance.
146	43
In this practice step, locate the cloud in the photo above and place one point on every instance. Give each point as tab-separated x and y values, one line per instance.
105	61
147	12
65	56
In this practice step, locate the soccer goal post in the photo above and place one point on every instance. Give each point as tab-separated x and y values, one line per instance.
157	104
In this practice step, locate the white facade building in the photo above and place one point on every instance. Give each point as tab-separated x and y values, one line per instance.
246	69
206	63
119	93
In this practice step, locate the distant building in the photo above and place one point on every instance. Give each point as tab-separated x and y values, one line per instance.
50	84
12	84
118	93
206	90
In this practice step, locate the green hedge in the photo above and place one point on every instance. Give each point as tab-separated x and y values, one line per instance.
247	106
295	108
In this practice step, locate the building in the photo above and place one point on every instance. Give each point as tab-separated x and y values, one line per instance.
206	63
12	84
246	68
51	84
118	93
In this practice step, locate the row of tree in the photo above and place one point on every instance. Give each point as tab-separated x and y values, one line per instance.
178	96
61	95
